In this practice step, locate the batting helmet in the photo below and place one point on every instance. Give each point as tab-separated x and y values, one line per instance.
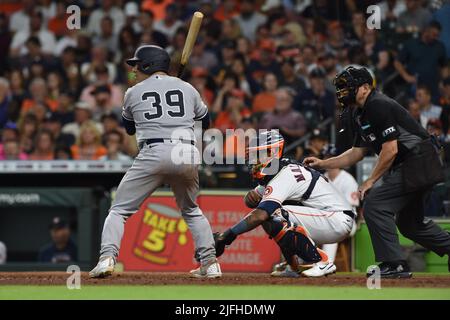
150	59
348	81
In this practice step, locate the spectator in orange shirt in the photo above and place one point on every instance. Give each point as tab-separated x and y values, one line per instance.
235	110
88	145
39	93
265	101
226	10
44	146
58	23
158	7
234	146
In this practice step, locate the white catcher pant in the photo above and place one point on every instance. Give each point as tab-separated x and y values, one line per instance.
331	248
323	227
153	167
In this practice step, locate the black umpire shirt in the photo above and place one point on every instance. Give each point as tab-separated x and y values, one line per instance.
382	119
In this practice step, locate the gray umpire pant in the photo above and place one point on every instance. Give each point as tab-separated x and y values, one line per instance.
153	167
388	205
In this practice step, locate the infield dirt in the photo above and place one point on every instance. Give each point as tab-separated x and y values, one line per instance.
147	278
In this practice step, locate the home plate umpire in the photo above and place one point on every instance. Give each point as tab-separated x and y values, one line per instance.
408	166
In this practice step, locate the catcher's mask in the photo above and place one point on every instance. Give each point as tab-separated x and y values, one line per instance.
261	152
348	81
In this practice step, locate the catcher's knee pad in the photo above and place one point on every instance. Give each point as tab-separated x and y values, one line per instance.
294	240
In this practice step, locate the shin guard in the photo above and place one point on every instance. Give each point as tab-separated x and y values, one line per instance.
294	240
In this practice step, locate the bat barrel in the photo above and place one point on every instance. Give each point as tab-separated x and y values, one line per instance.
190	40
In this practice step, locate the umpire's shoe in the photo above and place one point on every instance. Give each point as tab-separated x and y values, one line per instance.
211	269
104	268
393	270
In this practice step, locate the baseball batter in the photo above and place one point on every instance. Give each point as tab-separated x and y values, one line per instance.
156	107
296	206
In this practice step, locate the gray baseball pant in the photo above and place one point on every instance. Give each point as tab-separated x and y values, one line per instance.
152	167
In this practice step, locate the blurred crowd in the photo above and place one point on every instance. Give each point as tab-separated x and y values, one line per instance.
257	64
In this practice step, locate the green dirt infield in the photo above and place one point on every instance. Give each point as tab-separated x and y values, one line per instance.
212	292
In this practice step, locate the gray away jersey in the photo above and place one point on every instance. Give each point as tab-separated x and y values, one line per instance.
161	104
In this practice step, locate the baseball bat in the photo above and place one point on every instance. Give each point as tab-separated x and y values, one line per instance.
190	40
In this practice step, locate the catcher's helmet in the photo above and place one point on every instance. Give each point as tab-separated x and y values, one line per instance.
348	81
150	59
261	151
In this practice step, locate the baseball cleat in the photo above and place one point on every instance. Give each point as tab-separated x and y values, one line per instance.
320	269
104	268
283	270
210	270
280	266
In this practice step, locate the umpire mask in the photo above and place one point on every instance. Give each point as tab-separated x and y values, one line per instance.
348	81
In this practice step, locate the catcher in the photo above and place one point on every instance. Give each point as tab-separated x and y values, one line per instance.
296	206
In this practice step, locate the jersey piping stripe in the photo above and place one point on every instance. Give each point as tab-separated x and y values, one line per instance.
124	116
201	117
327	215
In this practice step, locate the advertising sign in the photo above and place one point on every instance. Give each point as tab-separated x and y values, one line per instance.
158	239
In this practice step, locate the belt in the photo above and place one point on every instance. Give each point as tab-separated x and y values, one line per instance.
350	214
161	140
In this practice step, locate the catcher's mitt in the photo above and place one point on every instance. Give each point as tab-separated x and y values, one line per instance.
221	240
